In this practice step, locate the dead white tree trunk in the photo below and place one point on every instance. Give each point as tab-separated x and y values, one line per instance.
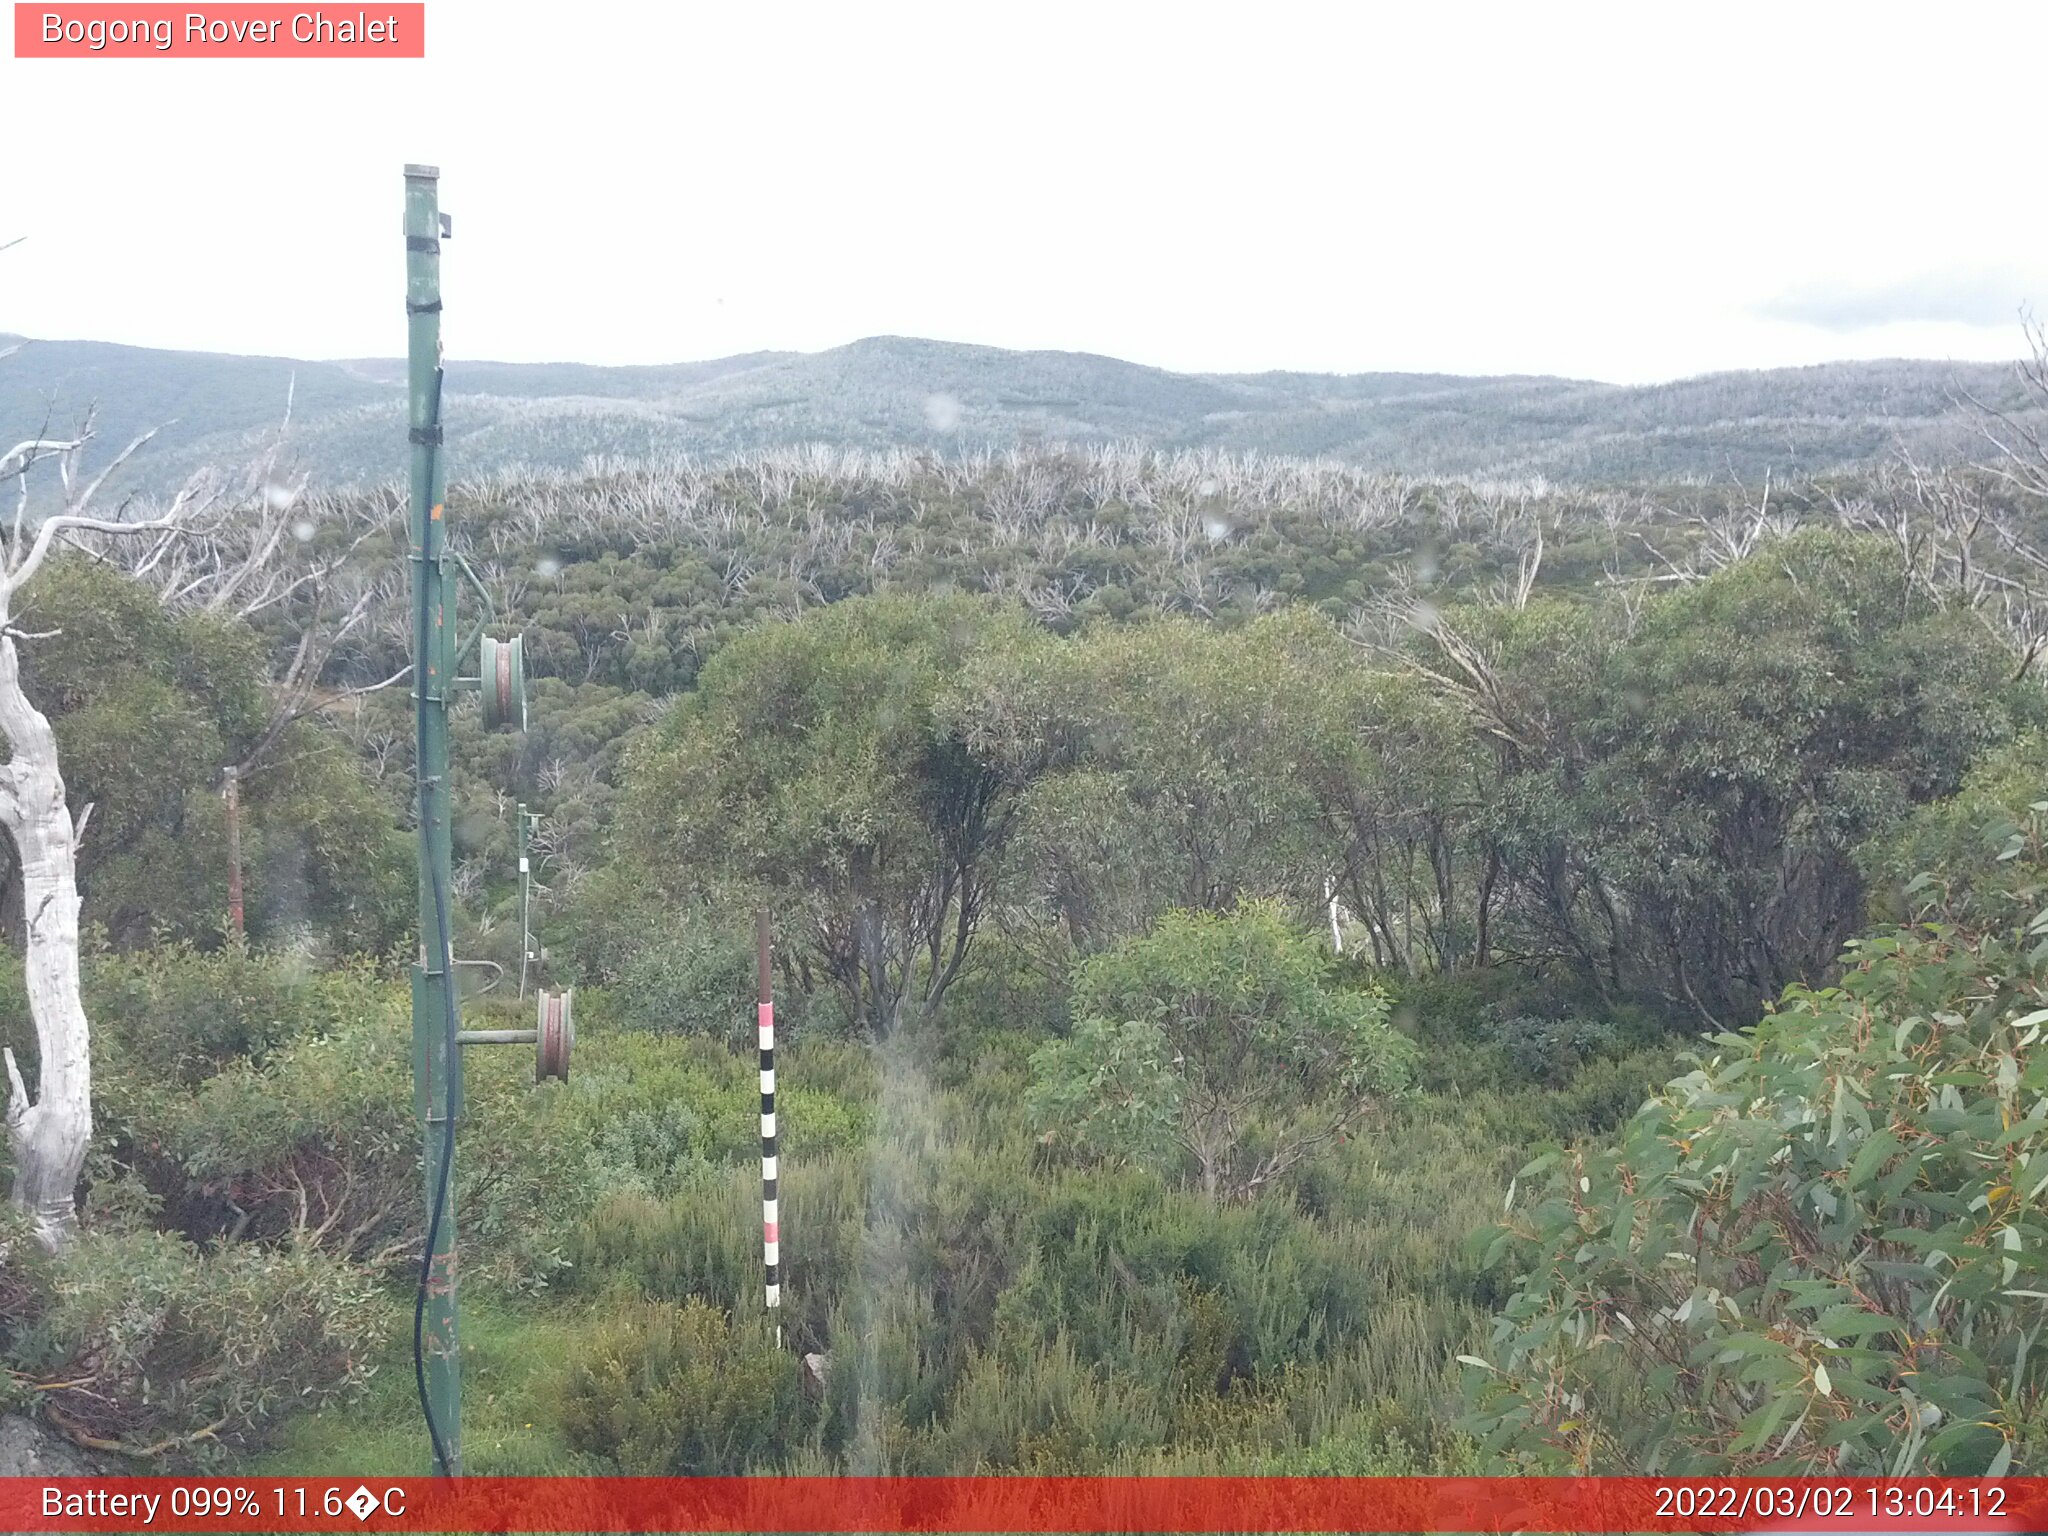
50	1132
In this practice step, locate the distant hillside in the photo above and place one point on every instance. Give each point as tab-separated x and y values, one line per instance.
896	391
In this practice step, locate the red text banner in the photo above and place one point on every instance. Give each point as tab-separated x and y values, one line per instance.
1025	1504
231	31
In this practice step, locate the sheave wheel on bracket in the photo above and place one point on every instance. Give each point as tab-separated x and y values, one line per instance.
555	1038
502	664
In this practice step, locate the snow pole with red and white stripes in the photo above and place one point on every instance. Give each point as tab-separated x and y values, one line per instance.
771	1225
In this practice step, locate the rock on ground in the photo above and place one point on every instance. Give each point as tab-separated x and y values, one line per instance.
27	1449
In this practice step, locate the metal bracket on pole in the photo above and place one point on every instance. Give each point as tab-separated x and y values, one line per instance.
464	646
553	1037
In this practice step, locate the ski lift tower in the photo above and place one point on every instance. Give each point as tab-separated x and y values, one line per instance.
438	651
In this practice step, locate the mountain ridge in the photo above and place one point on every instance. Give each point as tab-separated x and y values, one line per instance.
894	391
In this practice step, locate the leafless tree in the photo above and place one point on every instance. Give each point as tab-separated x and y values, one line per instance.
50	1131
270	549
2017	455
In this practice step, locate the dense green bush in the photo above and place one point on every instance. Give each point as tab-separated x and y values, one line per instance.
168	1018
699	981
1550	1051
318	1144
682	1391
150	702
1215	1045
650	1113
1561	846
331	868
809	770
146	1344
1944	862
180	1015
27	1285
983	1307
1165	764
310	1138
1822	1249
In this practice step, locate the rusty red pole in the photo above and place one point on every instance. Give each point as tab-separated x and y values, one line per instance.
231	792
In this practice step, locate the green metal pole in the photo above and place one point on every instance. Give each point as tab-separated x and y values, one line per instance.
437	1062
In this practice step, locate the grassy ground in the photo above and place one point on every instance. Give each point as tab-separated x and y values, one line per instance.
509	1424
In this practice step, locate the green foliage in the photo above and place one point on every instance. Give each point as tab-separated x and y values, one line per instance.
1662	793
1687	794
657	1116
175	1014
1505	1029
1944	863
1164	762
1404	774
681	1391
27	1289
1215	1040
329	864
149	706
291	1120
511	1356
808	765
1057	863
700	982
983	1311
168	1025
701	1237
145	1342
979	1302
317	1144
1550	1051
1819	1251
1380	1441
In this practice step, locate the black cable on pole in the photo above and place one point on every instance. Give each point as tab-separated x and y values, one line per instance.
445	951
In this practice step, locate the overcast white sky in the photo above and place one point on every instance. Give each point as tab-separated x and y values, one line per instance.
1633	192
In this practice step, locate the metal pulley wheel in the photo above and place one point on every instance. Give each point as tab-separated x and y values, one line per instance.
555	1037
502	664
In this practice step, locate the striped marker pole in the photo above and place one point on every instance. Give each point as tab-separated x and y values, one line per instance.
771	1225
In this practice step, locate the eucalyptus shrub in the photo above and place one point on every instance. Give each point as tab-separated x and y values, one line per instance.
1217	1045
1821	1250
1550	1051
140	1342
697	982
683	1391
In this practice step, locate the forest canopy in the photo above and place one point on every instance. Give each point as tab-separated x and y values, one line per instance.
1196	883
